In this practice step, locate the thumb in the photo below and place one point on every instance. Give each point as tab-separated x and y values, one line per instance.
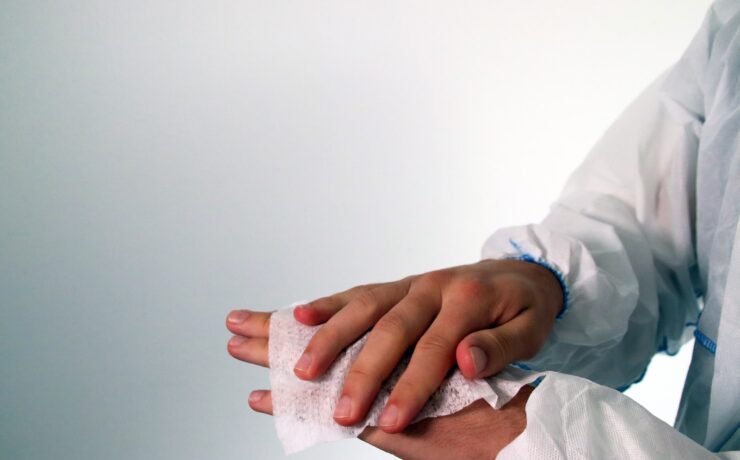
486	352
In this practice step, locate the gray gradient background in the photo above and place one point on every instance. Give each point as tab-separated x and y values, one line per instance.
162	162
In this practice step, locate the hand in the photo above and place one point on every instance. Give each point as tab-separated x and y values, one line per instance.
475	432
478	431
446	314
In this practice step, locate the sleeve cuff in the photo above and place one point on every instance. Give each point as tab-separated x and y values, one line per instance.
527	257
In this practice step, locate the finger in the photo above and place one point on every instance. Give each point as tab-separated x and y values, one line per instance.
251	350
261	401
360	314
393	334
249	323
320	310
486	352
433	357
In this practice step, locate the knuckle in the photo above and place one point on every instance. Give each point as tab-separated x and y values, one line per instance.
499	347
325	338
392	324
406	389
265	323
408	279
435	343
358	372
432	280
469	289
359	289
404	284
359	377
411	393
322	303
353	291
367	300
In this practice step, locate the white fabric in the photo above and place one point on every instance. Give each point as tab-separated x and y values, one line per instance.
570	417
303	410
647	224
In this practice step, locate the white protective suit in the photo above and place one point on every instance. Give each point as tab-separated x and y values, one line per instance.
645	231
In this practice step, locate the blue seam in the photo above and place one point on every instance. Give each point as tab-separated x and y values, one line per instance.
527	257
537	381
521	365
705	341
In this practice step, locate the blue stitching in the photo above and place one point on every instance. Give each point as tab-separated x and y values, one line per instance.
516	246
537	381
705	341
527	257
702	339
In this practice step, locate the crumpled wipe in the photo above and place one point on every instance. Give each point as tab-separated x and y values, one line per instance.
303	410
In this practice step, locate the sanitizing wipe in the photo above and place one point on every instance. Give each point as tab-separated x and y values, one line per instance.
303	409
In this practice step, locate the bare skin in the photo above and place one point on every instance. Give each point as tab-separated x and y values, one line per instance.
480	317
475	432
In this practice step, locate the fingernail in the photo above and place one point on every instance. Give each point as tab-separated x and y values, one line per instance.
480	359
237	316
343	407
303	306
256	396
303	363
389	417
236	341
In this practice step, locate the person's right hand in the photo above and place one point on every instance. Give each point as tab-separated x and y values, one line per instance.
481	316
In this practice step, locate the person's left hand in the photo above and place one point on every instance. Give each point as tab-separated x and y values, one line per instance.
478	431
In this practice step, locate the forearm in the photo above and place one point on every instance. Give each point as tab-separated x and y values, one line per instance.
621	235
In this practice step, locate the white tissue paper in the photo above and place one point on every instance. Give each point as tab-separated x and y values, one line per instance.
303	410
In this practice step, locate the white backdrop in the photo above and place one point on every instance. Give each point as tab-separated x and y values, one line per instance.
162	162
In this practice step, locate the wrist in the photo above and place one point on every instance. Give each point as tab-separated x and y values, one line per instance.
511	420
549	283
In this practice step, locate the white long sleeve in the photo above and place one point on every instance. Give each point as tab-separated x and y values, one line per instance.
621	235
644	227
573	418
